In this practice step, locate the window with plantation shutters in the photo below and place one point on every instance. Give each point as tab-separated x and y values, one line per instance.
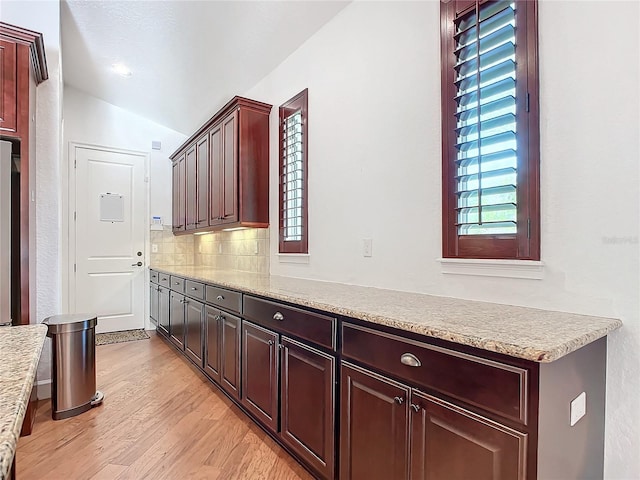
293	175
490	129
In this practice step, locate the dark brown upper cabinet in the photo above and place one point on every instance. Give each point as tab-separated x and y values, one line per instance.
191	189
229	185
179	198
202	180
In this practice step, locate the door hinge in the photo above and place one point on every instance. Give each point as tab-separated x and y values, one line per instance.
75	163
75	216
528	228
528	106
75	267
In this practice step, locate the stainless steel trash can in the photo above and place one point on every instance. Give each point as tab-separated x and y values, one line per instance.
73	353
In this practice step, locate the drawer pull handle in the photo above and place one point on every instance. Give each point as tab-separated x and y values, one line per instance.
398	400
194	288
176	283
415	407
219	297
410	360
278	316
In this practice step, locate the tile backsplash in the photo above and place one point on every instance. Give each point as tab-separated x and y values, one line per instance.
172	249
244	250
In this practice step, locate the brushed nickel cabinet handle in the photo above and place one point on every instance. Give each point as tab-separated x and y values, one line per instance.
176	283
415	407
270	342
219	297
410	360
278	316
398	400
194	288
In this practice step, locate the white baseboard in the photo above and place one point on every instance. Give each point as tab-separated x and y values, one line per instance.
43	389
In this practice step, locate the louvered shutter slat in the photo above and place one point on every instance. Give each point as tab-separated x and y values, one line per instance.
487	159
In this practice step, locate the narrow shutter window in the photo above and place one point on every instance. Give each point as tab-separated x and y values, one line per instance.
293	175
486	162
490	160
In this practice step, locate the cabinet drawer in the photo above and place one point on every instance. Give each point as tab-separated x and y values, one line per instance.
490	385
153	276
227	299
320	329
177	284
194	289
164	279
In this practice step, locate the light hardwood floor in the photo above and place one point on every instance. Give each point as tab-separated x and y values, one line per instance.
161	419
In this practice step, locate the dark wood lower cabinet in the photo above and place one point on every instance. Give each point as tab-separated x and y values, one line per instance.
230	341
260	374
307	398
153	302
163	310
222	351
212	343
374	422
193	346
448	442
176	320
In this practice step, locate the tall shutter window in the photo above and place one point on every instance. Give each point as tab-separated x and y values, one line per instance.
293	175
490	152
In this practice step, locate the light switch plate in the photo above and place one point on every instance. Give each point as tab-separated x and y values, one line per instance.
578	408
367	247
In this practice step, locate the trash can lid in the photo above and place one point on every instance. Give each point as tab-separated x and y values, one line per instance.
70	322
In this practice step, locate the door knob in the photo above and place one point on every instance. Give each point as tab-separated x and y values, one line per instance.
138	264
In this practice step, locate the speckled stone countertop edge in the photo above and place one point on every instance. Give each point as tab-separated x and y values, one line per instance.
538	354
12	413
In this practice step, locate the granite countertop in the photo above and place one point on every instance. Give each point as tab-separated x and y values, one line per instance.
529	333
20	349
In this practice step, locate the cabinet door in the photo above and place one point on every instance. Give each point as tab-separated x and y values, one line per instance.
374	426
153	302
191	185
230	354
215	175
307	412
179	205
230	168
163	311
194	313
448	442
202	176
8	83
260	374
176	320
212	343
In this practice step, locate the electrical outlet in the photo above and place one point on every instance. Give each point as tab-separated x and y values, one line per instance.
367	247
154	248
578	408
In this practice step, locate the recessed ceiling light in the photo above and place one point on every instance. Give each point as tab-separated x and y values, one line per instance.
121	69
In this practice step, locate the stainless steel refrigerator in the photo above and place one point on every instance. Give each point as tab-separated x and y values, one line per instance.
5	233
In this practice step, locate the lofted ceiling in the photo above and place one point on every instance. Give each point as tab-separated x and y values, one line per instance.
187	58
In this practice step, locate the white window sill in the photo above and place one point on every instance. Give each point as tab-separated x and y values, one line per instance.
527	269
299	258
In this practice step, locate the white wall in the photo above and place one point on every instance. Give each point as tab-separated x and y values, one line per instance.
44	17
92	121
373	75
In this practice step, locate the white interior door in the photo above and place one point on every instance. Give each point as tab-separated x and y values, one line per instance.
110	214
